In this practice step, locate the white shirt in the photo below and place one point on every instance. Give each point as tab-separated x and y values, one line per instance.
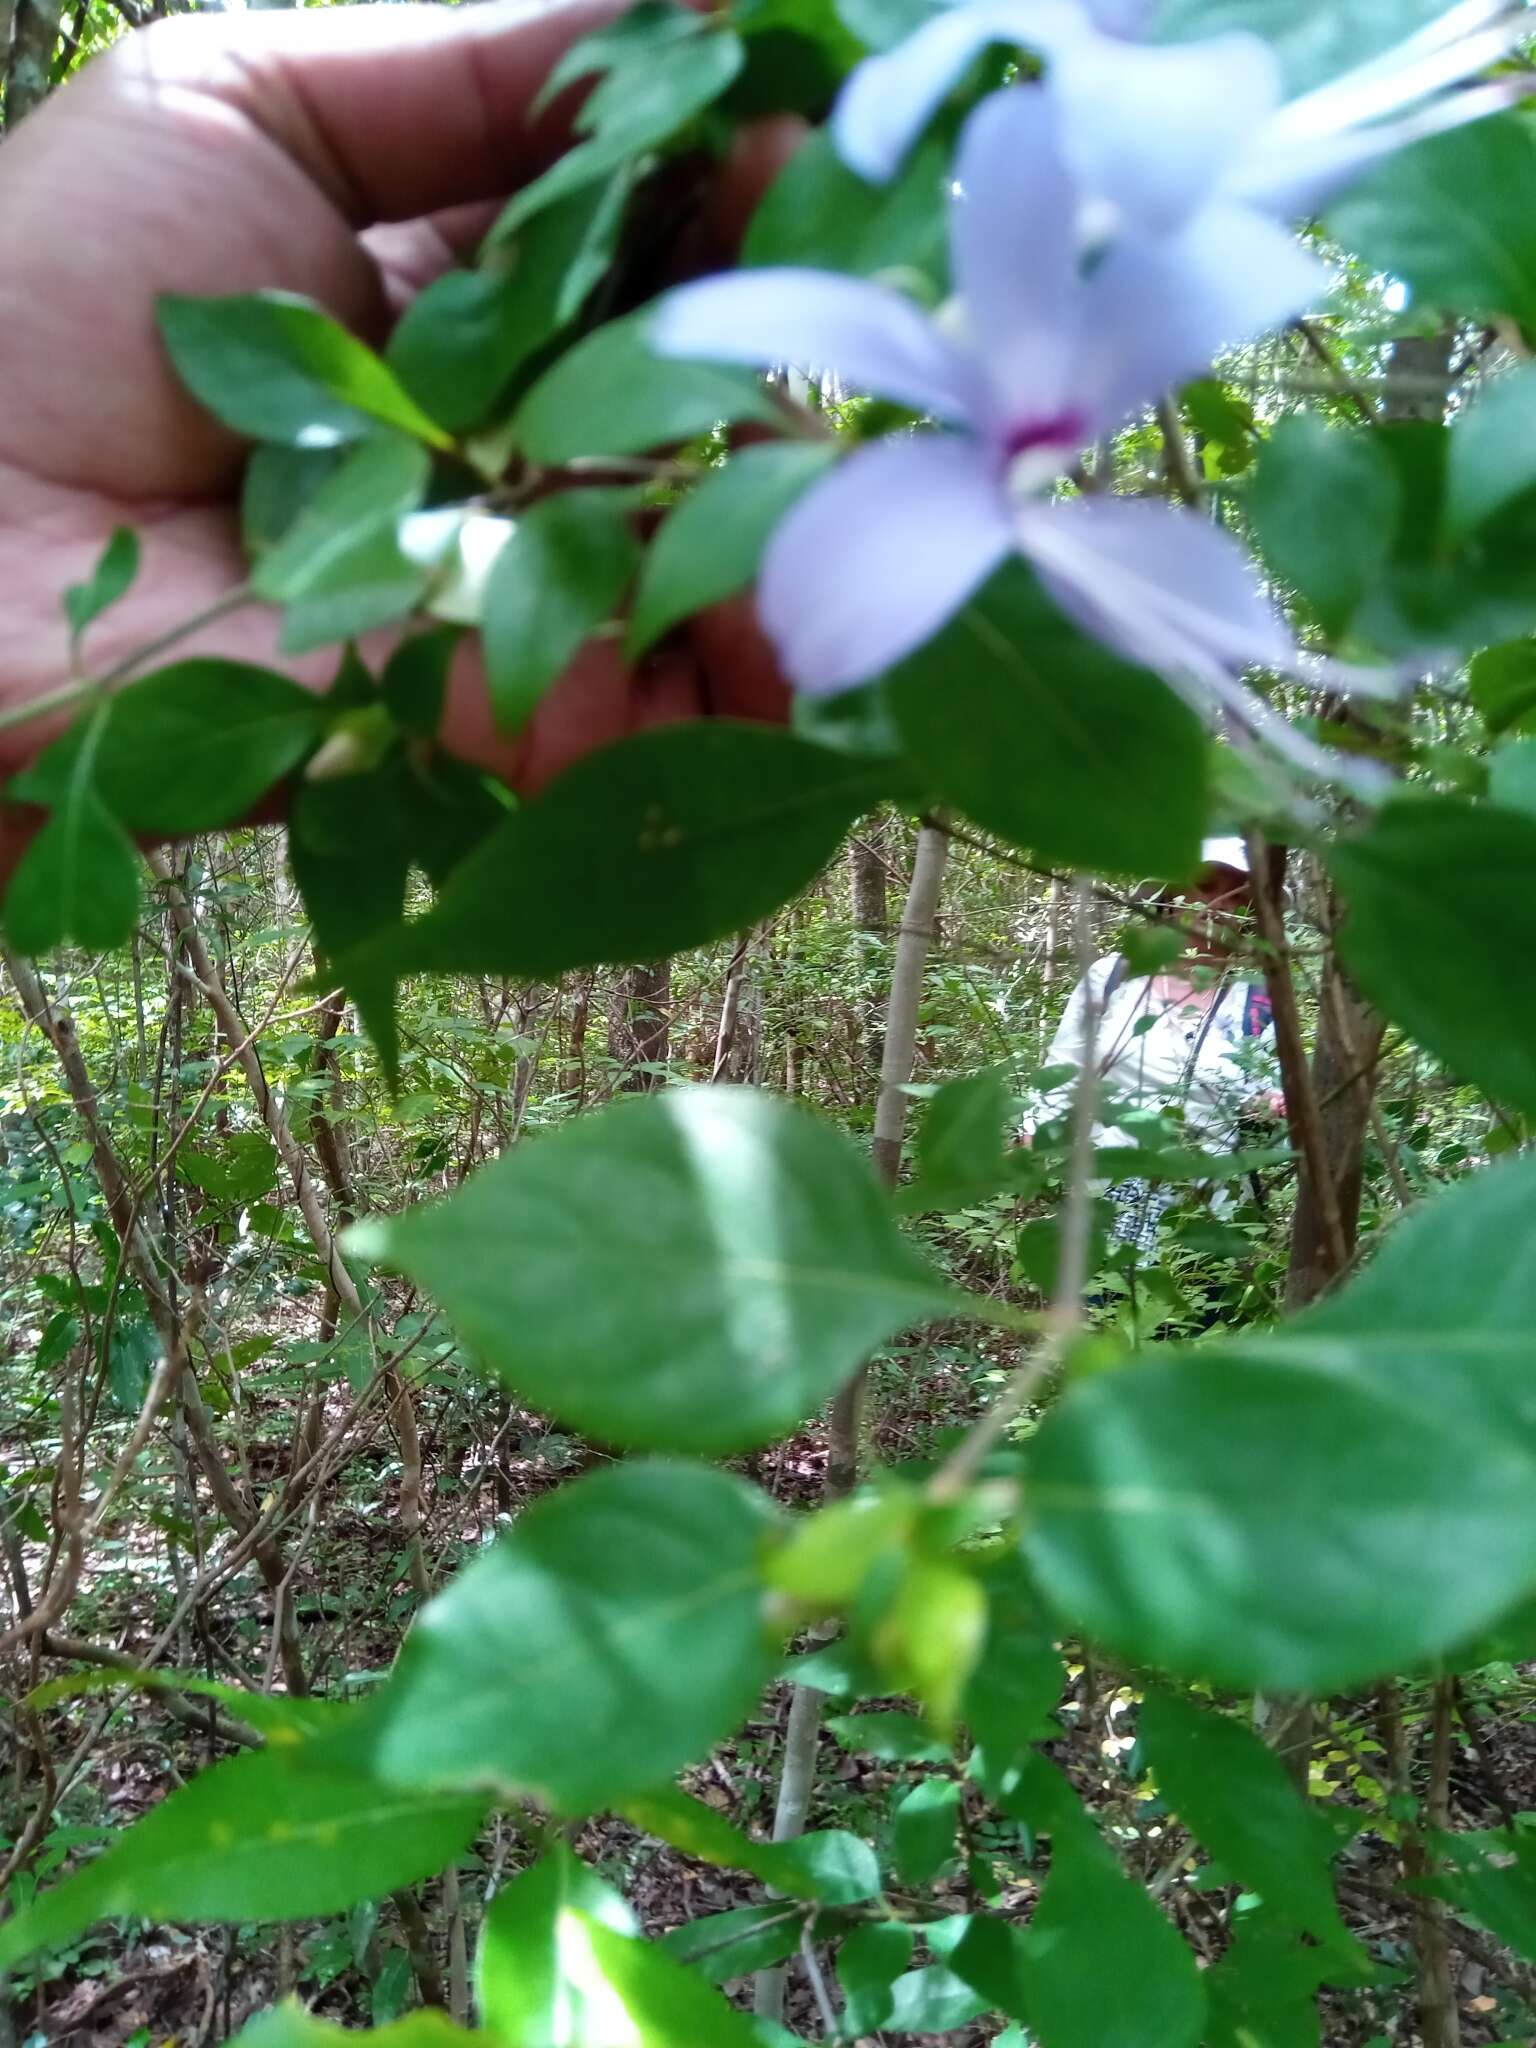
1153	1054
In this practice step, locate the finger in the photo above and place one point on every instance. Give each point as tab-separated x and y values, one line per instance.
391	111
739	673
599	699
411	254
757	154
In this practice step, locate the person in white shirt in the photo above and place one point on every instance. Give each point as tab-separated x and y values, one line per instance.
1180	1041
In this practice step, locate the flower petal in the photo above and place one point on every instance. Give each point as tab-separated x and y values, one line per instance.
1161	586
872	338
1128	18
1175	594
1459	44
889	100
1151	130
1295	179
1013	246
1156	311
1315	144
871	562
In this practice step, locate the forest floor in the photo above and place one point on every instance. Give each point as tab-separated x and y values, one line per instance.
111	1990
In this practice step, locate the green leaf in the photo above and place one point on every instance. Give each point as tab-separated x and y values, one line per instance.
524	1985
1441	931
560	1967
710	546
659	87
1018	1680
736	1943
340	570
1502	681
1362	525
459	342
1325	505
1315	39
61	1333
832	1552
242	1170
961	1143
1263	1989
1440	1320
414	682
928	1638
1160	1524
188	748
352	881
797	56
881	24
1492	452
632	41
1512	775
611	395
1509	1639
1234	1796
289	2026
869	1961
663	80
1098	1966
1224	421
1492	1881
1052	742
932	2001
654	845
1449	217
609	1639
561	575
818	214
892	1737
462	340
923	1829
665	2004
133	1351
116	567
1160	1528
827	1865
282	1720
269	1836
79	878
274	367
697	1270
278	483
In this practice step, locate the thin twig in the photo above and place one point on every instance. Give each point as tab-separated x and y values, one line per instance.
1064	1316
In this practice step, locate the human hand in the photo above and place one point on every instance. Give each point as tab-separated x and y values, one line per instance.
347	154
1266	1103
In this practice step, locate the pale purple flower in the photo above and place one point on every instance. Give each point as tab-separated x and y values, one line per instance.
1154	131
872	560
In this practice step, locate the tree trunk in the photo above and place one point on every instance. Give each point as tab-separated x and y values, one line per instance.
1343	1074
730	1011
1340	1086
29	61
640	1024
573	1076
1439	2020
1349	1032
867	877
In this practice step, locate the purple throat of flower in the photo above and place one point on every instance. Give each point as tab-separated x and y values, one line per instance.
1037	451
